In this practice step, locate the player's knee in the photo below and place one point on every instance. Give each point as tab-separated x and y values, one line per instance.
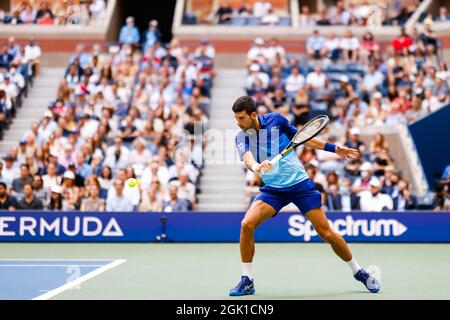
247	226
327	235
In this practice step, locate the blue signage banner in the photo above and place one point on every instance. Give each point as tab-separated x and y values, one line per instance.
218	227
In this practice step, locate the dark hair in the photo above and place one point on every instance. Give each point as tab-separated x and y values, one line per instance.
244	103
56	205
25	165
3	185
28	184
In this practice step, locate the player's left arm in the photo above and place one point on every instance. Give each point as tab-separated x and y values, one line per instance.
317	143
343	152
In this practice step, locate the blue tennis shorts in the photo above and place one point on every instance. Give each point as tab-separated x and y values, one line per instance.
303	194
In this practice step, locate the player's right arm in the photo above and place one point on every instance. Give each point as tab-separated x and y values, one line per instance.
246	155
253	165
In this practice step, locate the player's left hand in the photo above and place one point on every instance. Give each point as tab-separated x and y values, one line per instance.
347	153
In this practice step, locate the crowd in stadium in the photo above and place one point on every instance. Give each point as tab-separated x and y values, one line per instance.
357	84
256	13
115	117
58	13
19	64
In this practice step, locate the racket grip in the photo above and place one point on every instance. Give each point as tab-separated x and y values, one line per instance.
276	159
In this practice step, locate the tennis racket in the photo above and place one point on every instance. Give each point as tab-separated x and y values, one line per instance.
311	129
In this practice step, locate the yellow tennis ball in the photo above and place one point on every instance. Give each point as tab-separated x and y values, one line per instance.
132	182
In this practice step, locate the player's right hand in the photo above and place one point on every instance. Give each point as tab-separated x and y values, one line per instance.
265	166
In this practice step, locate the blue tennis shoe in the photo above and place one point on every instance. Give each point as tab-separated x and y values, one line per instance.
244	287
371	283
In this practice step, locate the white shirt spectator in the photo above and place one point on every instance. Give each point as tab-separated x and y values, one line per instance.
371	203
261	8
315	43
270	19
147	177
316	80
271	52
332	44
373	80
33	52
98	9
349	43
9	174
184	192
115	203
294	83
255	52
251	79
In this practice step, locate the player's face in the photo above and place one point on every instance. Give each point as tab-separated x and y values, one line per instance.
244	120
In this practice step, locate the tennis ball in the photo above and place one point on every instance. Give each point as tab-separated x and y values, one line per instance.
132	182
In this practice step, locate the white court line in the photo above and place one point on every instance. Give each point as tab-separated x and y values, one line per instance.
80	280
52	265
57	259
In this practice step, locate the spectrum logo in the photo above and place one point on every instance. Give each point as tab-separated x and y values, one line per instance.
299	226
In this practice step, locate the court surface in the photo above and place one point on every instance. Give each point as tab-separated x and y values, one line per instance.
208	271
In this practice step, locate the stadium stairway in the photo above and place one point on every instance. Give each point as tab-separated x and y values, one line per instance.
33	108
222	183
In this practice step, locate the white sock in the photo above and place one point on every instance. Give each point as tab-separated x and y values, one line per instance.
247	269
354	265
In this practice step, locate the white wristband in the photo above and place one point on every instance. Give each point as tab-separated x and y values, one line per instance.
255	167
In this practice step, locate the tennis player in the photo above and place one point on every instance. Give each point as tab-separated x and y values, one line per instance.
261	139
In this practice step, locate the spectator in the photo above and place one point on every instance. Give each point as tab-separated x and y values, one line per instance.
7	202
56	200
129	34
315	46
151	201
117	201
29	200
294	82
363	183
45	20
10	171
40	192
270	18
97	9
257	51
342	199
175	204
224	12
152	35
261	8
25	177
93	202
70	192
378	144
305	18
404	200
373	200
186	189
402	41
316	79
350	47
354	141
443	15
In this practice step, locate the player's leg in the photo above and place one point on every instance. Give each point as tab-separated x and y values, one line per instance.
264	207
318	219
320	223
258	212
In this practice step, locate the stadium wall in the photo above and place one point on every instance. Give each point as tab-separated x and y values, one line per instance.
430	136
218	227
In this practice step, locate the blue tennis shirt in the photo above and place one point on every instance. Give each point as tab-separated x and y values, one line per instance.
274	135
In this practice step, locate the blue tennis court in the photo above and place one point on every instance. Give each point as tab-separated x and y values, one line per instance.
43	279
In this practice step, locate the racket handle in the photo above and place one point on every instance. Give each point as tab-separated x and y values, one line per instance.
276	159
